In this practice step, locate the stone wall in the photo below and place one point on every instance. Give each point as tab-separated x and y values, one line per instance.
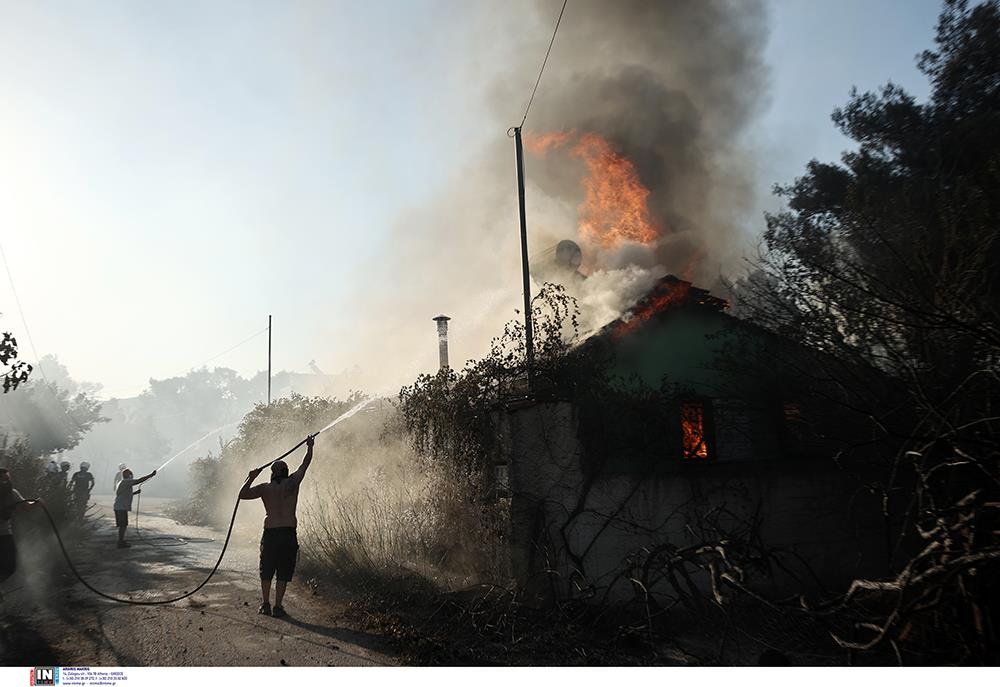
575	531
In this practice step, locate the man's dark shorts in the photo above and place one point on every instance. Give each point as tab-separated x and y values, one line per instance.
8	556
279	548
121	518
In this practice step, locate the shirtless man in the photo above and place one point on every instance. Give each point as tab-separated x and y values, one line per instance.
279	546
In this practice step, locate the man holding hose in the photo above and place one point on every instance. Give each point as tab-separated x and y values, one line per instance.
123	502
10	502
279	546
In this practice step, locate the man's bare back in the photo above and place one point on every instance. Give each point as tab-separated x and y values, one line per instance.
280	500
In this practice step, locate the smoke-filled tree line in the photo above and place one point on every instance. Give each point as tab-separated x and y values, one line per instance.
43	419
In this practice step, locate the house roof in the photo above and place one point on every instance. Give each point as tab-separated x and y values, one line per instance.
669	293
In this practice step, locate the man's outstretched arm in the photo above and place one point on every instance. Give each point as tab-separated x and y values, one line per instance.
248	492
143	479
301	472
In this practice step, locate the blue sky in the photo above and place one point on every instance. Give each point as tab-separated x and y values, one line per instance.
818	51
171	173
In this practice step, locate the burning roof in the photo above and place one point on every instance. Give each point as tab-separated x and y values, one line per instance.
668	294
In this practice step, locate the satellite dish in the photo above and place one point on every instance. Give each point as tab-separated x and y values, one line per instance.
568	255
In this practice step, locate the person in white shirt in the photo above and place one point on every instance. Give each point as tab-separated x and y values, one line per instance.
118	475
123	502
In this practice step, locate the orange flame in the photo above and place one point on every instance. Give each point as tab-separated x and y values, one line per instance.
540	144
615	207
676	294
693	430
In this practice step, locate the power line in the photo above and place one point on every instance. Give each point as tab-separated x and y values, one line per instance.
547	51
231	348
41	368
31	342
20	310
206	361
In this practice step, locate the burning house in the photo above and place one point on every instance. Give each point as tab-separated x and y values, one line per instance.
709	438
705	452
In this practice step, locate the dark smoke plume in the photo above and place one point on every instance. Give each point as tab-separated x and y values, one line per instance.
671	85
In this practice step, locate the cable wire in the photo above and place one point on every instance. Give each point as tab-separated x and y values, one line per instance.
31	342
34	351
203	363
232	348
41	368
547	51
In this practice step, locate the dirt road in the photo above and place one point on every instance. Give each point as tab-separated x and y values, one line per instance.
59	622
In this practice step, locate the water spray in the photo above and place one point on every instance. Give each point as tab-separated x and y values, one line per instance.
349	414
195	443
232	521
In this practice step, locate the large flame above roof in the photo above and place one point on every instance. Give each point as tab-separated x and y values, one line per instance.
615	206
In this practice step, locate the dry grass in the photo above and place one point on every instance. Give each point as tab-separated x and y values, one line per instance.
415	530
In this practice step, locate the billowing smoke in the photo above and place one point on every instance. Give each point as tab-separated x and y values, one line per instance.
662	92
671	87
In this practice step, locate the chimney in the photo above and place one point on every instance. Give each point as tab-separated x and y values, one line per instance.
442	321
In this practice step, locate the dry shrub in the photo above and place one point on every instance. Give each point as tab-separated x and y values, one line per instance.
409	523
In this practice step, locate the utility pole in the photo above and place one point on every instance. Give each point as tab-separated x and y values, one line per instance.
268	360
528	334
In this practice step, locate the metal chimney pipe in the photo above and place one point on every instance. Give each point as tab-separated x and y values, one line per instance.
442	321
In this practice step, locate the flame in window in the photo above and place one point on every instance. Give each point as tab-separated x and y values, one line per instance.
693	431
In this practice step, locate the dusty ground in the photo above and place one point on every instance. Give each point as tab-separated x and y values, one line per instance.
53	620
